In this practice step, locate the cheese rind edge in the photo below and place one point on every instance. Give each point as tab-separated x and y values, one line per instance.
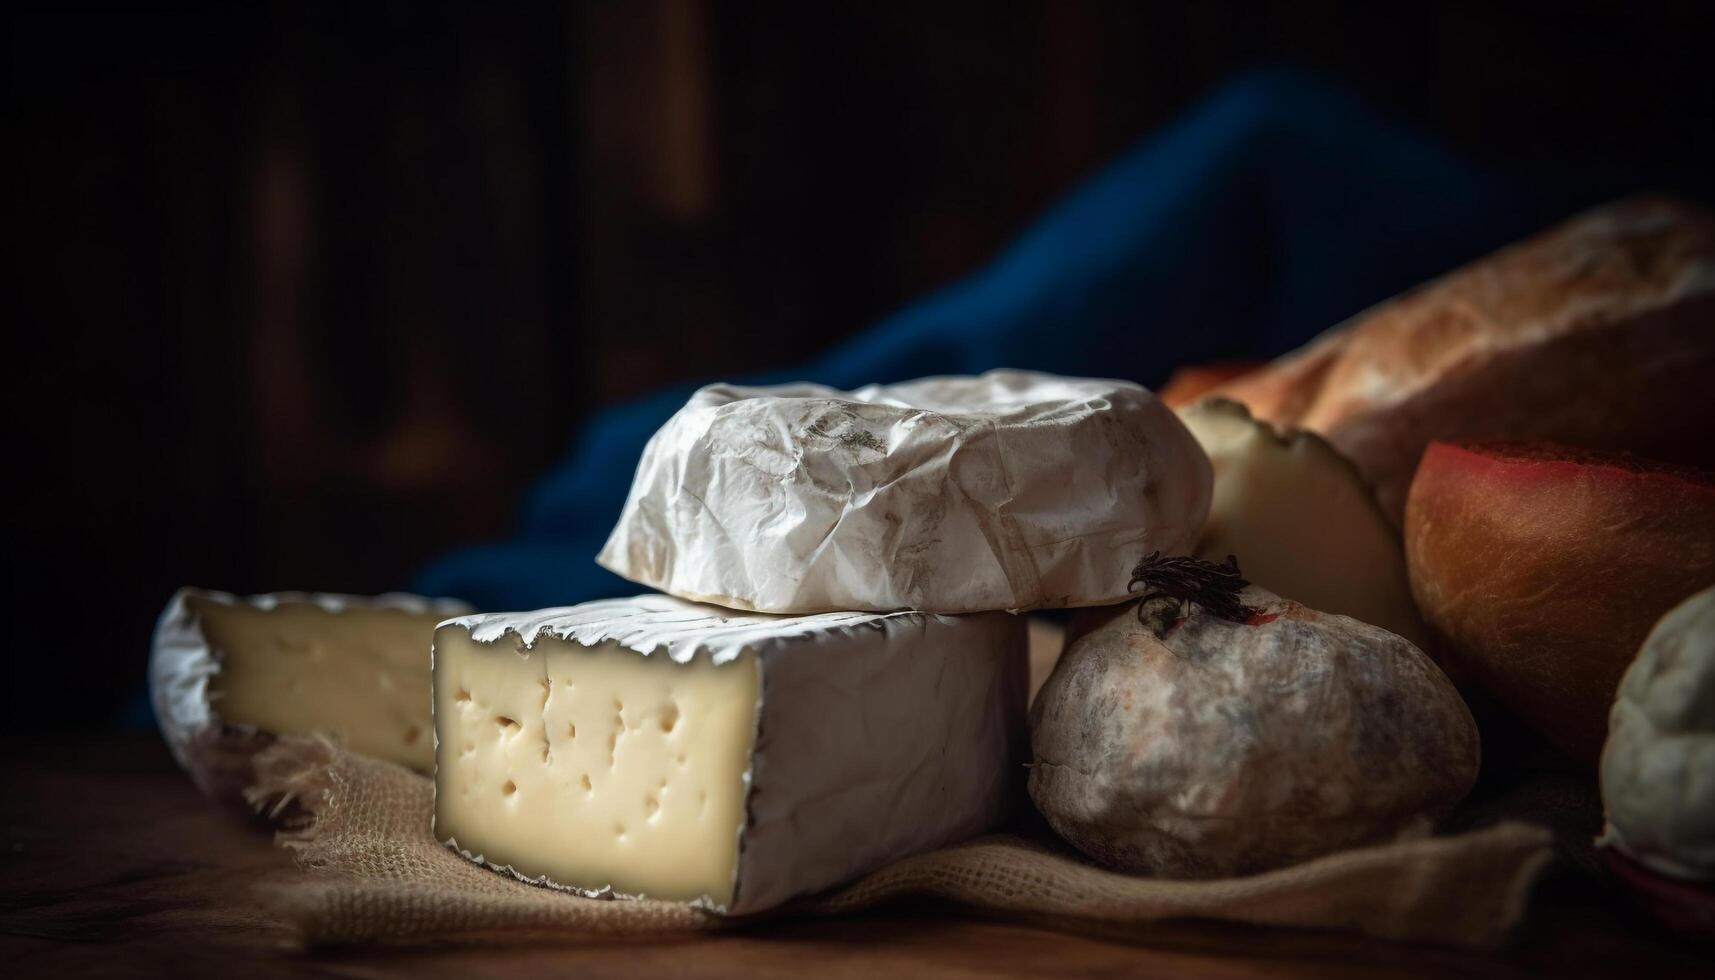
876	736
184	666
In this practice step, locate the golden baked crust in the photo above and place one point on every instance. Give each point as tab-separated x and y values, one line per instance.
1599	332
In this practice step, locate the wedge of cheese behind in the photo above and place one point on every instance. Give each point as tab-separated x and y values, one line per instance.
652	747
228	674
1300	520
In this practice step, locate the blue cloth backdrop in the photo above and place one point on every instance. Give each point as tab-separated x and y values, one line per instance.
1275	207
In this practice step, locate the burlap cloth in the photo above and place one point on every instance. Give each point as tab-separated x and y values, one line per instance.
361	831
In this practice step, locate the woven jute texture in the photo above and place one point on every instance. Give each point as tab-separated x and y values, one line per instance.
374	874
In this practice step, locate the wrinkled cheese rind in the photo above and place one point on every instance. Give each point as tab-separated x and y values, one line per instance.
1301	521
227	673
1012	490
1229	748
1658	767
681	630
871	737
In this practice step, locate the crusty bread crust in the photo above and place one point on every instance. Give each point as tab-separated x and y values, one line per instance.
1599	332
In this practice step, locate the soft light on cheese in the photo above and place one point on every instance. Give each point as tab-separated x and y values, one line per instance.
1011	490
225	669
653	747
593	765
1301	521
297	668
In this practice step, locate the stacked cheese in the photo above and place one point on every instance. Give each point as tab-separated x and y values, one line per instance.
856	696
655	747
865	701
833	680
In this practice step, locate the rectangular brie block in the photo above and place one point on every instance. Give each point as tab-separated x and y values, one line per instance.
651	747
226	674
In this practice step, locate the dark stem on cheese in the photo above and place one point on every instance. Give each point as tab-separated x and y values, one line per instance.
1170	583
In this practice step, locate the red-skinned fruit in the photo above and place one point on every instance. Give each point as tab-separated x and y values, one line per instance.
1541	568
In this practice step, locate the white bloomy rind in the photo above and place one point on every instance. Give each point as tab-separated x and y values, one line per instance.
1011	490
1658	767
876	736
183	664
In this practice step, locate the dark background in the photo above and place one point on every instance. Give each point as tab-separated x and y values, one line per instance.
307	295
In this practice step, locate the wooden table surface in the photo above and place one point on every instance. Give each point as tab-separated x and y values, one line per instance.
114	866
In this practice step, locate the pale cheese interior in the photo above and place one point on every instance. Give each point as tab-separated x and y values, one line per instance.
1301	522
596	767
361	674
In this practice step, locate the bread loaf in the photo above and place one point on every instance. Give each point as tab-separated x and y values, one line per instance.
1598	333
1188	383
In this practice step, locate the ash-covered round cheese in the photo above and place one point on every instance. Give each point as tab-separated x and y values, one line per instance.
1658	767
1012	490
1218	748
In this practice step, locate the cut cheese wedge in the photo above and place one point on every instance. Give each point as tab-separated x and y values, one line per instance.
651	747
227	674
1300	520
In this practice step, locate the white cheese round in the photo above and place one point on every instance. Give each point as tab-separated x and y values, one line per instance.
1658	768
1012	490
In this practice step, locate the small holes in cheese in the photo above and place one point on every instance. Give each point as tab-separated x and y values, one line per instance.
534	768
412	734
